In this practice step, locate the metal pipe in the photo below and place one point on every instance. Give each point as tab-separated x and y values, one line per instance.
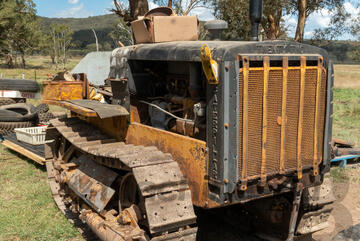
255	13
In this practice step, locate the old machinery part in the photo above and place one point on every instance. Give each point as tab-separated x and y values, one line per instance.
158	117
200	109
122	191
255	10
210	66
274	102
215	28
316	207
161	109
295	211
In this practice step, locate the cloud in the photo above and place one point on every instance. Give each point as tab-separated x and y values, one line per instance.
74	12
320	19
153	5
73	1
203	13
349	7
308	34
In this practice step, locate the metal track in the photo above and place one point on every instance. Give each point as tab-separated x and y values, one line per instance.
165	192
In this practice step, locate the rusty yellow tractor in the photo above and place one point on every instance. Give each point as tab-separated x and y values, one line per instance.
187	127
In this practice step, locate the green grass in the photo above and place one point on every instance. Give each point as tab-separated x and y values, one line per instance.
36	66
39	68
346	117
27	210
339	174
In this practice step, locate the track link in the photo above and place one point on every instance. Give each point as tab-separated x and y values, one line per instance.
165	192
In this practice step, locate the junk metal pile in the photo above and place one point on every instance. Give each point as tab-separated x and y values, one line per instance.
15	112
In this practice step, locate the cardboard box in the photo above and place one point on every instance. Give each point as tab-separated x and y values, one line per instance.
159	29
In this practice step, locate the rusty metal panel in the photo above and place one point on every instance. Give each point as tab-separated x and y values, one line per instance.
114	127
189	153
92	182
322	112
241	113
151	183
63	90
164	215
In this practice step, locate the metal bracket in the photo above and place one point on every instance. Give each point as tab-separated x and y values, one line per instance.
295	210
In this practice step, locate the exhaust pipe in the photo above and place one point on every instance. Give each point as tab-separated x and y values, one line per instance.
255	9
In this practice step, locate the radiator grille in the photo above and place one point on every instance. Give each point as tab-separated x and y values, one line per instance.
273	128
292	110
255	121
250	154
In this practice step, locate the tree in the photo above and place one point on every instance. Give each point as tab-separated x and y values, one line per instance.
336	28
57	42
121	33
355	30
182	7
64	37
19	28
135	9
272	22
236	13
304	8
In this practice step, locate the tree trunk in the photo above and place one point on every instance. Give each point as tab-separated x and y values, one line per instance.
23	62
272	24
301	5
138	8
52	59
96	40
170	4
270	31
9	60
55	52
64	58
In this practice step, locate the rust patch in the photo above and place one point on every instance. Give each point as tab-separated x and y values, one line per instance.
188	152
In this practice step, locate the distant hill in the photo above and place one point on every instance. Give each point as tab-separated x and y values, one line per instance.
98	22
339	50
83	36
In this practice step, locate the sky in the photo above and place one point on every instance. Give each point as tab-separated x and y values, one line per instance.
86	8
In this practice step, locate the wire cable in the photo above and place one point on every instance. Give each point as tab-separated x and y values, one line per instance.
166	112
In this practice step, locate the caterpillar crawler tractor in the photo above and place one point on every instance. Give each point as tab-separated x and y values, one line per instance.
196	126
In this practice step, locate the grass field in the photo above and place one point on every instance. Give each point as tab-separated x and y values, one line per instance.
38	67
27	211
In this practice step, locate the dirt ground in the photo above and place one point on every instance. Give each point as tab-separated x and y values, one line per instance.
345	219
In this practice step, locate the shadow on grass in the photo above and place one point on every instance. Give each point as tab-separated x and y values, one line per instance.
24	158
